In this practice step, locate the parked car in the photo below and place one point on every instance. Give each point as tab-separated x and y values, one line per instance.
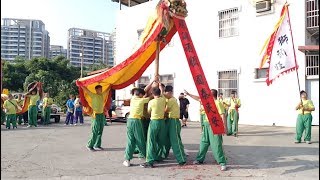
55	110
123	109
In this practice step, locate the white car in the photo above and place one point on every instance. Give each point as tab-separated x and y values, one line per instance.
123	110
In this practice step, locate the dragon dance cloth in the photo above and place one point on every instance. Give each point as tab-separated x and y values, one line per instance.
167	19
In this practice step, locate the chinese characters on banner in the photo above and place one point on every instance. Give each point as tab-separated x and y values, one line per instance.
281	58
199	78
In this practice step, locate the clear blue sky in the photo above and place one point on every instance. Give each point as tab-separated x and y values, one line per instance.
60	15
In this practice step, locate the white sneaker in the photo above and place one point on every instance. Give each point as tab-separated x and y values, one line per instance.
81	124
223	167
187	154
126	163
75	124
308	142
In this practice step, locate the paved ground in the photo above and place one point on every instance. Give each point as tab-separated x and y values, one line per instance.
58	152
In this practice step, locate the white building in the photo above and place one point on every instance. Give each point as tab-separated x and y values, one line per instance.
228	36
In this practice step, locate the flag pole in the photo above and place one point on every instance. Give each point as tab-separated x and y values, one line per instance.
294	54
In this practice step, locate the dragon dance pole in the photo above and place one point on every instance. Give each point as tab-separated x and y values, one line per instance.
156	73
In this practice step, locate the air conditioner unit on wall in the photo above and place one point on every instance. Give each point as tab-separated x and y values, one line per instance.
263	6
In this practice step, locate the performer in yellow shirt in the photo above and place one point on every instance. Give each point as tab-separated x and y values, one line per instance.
208	138
98	118
174	127
11	107
156	133
136	136
304	119
32	108
20	103
233	114
46	108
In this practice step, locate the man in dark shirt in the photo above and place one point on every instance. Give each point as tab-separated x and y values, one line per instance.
184	105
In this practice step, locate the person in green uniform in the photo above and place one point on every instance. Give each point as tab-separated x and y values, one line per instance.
304	120
174	127
208	138
46	108
11	106
98	119
233	114
156	133
33	94
20	103
3	113
136	137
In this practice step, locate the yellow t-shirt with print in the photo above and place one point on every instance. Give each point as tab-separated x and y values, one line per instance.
20	102
156	107
137	107
173	107
34	99
97	103
219	106
10	106
233	103
307	104
47	101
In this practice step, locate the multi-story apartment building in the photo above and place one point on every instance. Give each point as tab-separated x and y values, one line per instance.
114	39
56	50
89	47
26	38
228	47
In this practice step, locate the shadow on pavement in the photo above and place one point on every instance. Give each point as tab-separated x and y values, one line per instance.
266	157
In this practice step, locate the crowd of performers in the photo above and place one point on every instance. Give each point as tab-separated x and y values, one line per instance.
11	109
153	126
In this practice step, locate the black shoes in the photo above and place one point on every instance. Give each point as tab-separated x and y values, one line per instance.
146	165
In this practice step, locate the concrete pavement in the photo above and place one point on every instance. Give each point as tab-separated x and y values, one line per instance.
58	152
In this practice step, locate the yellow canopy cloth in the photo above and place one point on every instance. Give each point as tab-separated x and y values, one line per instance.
130	70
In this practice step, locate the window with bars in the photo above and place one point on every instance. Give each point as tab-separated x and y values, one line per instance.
312	13
227	82
312	64
229	23
261	73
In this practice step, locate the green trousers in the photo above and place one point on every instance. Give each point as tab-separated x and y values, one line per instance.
3	116
19	118
32	115
174	130
135	138
97	126
46	115
163	152
214	141
232	119
303	124
156	139
11	118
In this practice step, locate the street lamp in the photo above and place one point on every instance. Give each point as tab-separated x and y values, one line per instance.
81	54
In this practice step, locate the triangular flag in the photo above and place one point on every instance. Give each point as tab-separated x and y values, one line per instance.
280	50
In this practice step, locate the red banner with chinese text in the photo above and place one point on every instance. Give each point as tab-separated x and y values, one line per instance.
199	78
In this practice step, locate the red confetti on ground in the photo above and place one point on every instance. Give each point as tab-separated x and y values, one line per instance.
189	166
